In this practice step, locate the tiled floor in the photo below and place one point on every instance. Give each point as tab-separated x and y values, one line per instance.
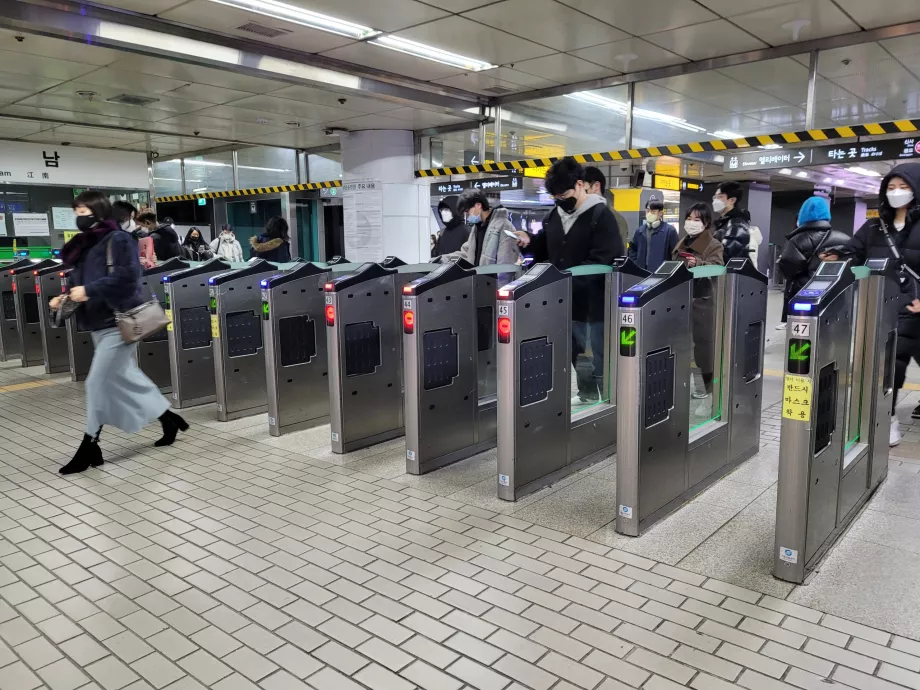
237	561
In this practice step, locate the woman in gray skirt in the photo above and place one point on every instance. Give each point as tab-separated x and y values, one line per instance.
107	279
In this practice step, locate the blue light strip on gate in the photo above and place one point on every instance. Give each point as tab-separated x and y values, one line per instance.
801	306
627	299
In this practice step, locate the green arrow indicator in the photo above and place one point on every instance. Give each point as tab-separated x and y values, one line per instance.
799	353
627	336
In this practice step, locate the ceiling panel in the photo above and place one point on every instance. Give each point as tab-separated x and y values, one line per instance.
275	109
247	120
25	82
196	74
79	106
167	146
108	119
486	83
465	37
784	119
460	5
776	25
13	129
118	81
218	127
732	8
210	15
648	16
871	15
564	68
64	98
631	55
296	138
702	41
206	93
381	121
785	78
43	67
99	140
116	135
546	22
420	119
308	94
71	51
384	15
145	6
392	61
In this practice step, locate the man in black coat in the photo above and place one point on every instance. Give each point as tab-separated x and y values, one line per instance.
165	238
455	233
733	229
580	231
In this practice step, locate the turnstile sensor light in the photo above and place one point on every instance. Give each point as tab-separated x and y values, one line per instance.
504	329
801	306
330	315
408	322
627	299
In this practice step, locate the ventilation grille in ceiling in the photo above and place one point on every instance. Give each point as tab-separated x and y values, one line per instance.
262	30
498	90
128	99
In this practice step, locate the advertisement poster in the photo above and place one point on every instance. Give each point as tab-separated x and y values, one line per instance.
31	225
63	218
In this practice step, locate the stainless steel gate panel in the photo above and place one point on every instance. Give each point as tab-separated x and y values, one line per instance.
236	330
884	302
28	312
49	283
153	352
80	346
9	330
364	341
191	358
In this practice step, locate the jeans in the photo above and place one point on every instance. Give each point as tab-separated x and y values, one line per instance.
581	332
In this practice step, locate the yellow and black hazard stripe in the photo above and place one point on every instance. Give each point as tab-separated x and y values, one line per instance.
810	135
307	186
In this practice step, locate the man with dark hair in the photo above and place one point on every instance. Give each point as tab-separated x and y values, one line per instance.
491	239
165	238
581	230
654	240
124	214
595	180
733	229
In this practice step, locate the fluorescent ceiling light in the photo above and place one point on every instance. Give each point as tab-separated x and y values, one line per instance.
641	113
839	182
785	171
725	134
298	15
771	146
199	189
218	164
864	171
426	52
801	173
827	180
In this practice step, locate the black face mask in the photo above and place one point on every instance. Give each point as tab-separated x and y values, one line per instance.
86	223
567	205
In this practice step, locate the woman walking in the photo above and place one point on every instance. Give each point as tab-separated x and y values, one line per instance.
194	248
106	280
226	246
273	244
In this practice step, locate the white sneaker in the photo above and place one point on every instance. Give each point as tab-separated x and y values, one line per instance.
894	433
781	327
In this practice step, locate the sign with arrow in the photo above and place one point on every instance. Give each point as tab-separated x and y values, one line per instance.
628	337
902	148
799	356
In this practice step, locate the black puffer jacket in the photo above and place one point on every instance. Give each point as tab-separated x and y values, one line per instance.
800	259
869	241
733	230
166	242
455	232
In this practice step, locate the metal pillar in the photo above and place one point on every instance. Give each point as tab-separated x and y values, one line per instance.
497	114
482	142
630	101
812	89
182	174
297	178
151	182
236	169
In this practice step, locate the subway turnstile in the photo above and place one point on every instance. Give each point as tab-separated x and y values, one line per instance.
153	352
544	433
450	365
239	350
49	283
28	311
296	363
674	441
191	358
841	338
80	346
364	342
9	330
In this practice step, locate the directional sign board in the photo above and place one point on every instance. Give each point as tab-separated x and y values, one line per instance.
862	152
489	184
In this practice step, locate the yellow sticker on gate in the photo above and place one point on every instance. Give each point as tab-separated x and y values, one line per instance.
168	313
797	398
215	326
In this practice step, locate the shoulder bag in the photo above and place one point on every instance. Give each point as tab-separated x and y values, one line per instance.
140	322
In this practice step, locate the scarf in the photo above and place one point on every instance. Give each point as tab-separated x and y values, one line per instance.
80	244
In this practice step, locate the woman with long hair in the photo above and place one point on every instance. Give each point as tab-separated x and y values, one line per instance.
273	244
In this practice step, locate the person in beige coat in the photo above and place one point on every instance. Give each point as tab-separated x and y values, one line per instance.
492	239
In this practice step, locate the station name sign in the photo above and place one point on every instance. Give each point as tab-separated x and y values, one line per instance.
862	152
505	183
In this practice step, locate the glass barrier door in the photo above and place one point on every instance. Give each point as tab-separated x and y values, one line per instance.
707	311
248	218
591	385
855	376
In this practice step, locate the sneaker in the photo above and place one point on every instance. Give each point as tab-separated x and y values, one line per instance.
894	433
781	327
916	413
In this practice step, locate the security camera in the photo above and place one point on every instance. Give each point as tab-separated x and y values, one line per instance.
20	38
846	61
624	167
343	101
196	132
65	143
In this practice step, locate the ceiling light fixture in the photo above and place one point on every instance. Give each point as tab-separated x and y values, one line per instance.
617	106
725	134
771	146
785	171
827	180
801	173
298	15
839	182
218	164
864	171
426	52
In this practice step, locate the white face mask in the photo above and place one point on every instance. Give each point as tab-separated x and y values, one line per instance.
718	205
446	215
898	198
652	219
693	227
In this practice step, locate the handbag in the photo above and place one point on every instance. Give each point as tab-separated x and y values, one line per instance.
143	320
64	311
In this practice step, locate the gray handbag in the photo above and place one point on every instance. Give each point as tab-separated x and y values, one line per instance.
142	321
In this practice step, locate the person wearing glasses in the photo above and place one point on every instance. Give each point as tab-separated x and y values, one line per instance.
581	230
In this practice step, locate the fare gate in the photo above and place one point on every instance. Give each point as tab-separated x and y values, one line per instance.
450	363
49	283
671	446
28	311
544	434
841	340
364	342
80	346
191	359
296	361
9	330
153	352
236	332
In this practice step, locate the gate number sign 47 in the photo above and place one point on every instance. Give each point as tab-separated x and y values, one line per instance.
801	330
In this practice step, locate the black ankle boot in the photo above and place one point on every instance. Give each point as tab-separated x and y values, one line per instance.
89	454
172	425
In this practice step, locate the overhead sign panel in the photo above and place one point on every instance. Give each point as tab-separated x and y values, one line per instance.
491	184
863	152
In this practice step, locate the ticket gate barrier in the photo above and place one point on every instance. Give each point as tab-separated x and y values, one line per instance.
364	342
191	358
544	433
236	332
838	390
49	283
153	351
450	365
9	330
80	346
674	440
296	360
29	312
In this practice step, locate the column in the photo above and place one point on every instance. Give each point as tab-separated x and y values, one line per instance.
392	216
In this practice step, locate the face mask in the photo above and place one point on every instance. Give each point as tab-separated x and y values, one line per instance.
898	198
652	219
126	225
718	205
473	220
446	215
693	227
85	223
567	205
